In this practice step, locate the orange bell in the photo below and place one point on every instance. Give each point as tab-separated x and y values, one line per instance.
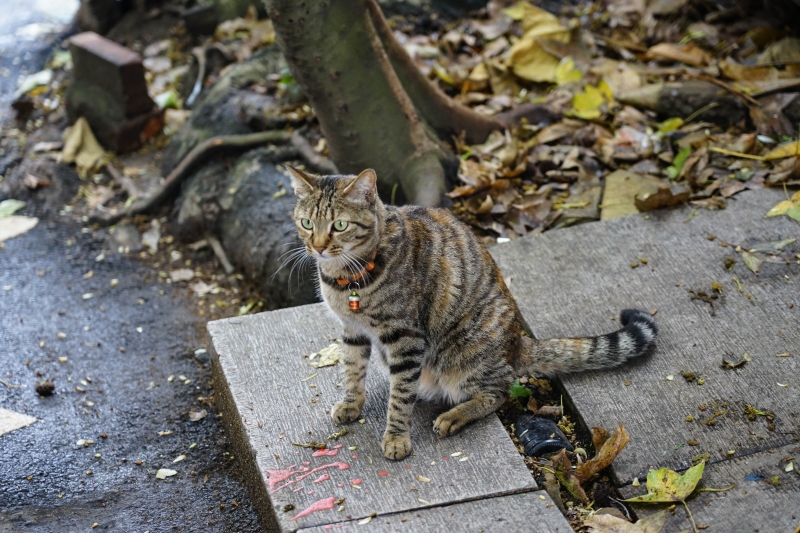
355	301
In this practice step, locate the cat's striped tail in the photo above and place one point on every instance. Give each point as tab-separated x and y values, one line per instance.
556	356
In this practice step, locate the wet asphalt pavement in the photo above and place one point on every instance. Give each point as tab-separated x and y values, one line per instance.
110	357
48	483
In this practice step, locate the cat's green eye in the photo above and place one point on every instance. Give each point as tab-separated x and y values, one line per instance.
306	223
340	225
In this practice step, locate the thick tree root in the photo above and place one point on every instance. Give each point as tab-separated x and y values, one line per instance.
441	112
202	150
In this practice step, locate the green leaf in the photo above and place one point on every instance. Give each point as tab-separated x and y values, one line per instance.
667	486
681	158
519	390
772	246
671	124
9	207
751	261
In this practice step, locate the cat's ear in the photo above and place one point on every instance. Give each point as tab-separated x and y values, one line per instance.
302	183
363	187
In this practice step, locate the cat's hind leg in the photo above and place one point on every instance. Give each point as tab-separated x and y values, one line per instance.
355	356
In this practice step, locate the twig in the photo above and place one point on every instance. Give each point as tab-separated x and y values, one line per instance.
736	154
320	163
124	181
199	54
220	253
700	111
10	385
712	489
736	92
694	526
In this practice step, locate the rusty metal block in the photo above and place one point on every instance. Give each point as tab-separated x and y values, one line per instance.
109	89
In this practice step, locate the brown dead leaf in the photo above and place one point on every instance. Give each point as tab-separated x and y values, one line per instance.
562	466
667	195
599	437
605	455
606	523
690	54
738	72
34	182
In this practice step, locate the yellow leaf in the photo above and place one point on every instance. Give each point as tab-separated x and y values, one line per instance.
783	151
566	72
605	90
790	208
526	57
533	18
667	486
587	104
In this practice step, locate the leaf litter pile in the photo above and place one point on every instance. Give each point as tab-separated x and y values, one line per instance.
580	486
639	107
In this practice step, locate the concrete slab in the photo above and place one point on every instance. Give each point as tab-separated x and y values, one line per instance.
766	498
271	398
574	282
532	511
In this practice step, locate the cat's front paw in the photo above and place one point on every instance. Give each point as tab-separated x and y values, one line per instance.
345	412
396	447
448	423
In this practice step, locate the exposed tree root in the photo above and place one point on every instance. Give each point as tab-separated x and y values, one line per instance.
202	150
440	111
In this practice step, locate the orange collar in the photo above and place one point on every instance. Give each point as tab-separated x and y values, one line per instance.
367	268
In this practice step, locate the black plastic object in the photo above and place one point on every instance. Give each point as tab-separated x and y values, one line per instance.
539	435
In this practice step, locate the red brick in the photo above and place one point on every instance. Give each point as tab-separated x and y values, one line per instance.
109	89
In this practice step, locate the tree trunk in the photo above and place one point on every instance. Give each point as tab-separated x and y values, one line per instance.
374	106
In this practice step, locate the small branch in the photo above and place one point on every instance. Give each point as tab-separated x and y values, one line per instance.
10	385
220	253
316	161
736	92
199	54
124	181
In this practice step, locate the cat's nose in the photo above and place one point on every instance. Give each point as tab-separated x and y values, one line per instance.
319	249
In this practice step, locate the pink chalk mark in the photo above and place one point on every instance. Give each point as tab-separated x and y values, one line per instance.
306	463
278	476
356	481
325	453
311	493
383	473
298	489
355	457
325	504
339	465
408	466
323	477
328	526
340	485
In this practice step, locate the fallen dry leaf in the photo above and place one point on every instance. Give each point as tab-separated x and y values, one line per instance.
605	454
81	147
605	523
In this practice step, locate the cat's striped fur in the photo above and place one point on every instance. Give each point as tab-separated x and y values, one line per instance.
434	309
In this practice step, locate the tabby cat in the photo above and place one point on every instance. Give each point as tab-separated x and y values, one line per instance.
415	289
